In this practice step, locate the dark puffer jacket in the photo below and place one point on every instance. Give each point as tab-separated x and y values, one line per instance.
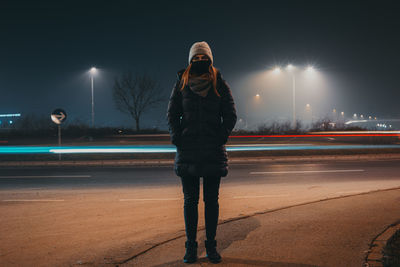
200	127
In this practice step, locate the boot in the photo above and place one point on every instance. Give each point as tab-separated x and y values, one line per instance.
191	252
211	250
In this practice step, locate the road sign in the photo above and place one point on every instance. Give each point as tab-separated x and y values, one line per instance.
58	116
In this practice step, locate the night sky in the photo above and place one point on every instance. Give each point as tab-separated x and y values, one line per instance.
46	49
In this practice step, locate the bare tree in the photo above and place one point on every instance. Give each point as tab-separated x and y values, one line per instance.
134	94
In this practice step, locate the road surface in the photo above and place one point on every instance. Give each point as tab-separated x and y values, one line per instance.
99	216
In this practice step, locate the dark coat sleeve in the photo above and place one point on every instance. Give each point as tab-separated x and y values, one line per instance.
228	111
174	113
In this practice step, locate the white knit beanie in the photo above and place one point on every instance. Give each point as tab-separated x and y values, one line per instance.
200	48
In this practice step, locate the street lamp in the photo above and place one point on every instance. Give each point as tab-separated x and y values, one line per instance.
309	109
290	68
310	68
277	70
93	71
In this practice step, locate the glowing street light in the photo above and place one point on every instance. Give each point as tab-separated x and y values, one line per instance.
342	116
92	71
290	68
334	114
277	70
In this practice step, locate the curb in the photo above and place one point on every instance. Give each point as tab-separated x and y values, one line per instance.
375	254
169	162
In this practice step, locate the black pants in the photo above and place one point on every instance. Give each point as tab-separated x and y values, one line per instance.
191	189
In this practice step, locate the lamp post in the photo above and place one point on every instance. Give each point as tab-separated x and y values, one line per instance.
294	100
93	71
291	68
309	109
334	114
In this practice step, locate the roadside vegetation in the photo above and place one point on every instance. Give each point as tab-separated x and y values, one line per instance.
276	127
40	126
34	126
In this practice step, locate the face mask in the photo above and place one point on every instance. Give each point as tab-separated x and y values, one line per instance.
201	66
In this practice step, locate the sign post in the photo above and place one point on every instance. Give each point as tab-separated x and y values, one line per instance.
58	116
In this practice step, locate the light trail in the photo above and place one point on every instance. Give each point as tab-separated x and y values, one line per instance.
310	147
317	135
327	134
172	149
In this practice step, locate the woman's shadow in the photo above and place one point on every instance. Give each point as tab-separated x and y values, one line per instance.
228	233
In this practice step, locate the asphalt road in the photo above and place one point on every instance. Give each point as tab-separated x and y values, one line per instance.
99	216
253	173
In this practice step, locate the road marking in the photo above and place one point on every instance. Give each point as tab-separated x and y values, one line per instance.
294	172
148	199
32	200
283	195
47	176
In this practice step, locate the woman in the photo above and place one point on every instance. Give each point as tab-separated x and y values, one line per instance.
201	115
